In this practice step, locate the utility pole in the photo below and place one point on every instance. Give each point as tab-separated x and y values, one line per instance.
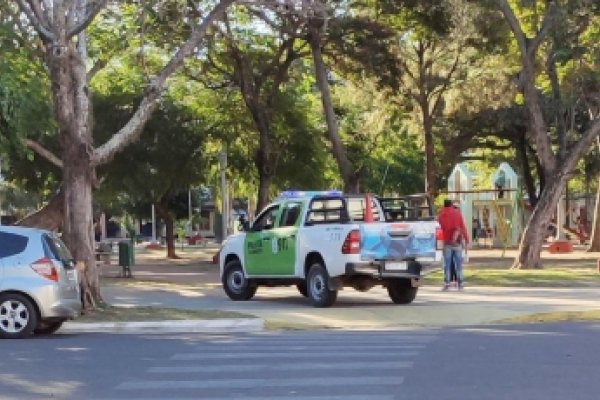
1	183
190	209
153	225
224	195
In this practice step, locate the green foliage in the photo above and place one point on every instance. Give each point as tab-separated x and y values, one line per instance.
25	112
378	144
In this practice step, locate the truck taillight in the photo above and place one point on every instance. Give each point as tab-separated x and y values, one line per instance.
439	238
45	268
352	243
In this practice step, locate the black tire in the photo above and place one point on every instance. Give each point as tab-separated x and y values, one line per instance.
47	328
18	316
302	288
401	291
319	291
235	283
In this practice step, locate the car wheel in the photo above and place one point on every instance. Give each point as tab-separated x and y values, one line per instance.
401	291
318	286
47	328
235	283
18	316
302	288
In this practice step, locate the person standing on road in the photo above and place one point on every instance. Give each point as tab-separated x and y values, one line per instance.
455	237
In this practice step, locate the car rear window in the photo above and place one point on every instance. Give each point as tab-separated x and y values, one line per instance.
11	244
57	248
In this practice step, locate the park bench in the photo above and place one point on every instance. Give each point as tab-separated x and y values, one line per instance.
103	253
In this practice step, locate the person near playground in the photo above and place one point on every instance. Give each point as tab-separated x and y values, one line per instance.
455	238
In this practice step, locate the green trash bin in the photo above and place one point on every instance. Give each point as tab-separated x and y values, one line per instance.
126	257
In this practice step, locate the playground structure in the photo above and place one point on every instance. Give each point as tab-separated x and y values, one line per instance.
493	217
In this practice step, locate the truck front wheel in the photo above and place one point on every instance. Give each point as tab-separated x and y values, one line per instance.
401	291
235	283
302	288
318	286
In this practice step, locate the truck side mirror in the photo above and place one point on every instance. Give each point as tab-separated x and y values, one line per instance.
244	224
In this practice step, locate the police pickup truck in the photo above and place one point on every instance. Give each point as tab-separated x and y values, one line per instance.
324	241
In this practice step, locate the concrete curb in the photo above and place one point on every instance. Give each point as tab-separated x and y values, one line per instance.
169	326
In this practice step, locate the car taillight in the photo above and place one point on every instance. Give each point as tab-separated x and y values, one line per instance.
439	238
45	268
352	243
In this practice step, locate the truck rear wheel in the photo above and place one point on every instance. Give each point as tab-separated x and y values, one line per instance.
318	286
401	291
235	283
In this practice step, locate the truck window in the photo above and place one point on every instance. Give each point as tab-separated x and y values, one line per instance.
290	214
266	220
407	208
327	211
356	209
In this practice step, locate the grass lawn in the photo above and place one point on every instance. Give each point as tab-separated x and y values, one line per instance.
557	316
107	313
563	276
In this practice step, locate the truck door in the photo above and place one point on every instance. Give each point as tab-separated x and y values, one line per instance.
258	249
286	237
270	246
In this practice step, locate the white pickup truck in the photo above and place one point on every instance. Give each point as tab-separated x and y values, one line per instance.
324	241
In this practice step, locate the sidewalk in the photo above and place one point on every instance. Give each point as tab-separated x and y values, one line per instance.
193	283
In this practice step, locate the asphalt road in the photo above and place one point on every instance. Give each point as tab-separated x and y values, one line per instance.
554	361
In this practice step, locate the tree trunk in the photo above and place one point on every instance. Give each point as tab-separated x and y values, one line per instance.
49	217
537	226
349	176
265	161
170	237
167	218
555	169
429	150
264	182
71	110
528	180
595	229
78	220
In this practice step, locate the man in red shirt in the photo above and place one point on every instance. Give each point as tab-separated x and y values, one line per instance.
455	237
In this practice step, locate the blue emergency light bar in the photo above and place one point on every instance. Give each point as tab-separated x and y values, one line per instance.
299	194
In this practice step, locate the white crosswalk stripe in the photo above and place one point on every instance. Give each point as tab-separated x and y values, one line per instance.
281	367
263	383
325	397
312	354
284	366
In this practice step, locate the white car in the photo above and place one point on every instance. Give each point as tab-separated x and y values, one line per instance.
325	241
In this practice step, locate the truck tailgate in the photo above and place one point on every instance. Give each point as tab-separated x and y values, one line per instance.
397	240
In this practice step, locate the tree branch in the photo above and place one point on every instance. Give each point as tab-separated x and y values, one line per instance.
97	67
45	34
575	153
547	24
133	128
37	10
42	151
446	84
281	71
514	25
92	10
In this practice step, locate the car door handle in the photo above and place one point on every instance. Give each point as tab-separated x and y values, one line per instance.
293	237
266	239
